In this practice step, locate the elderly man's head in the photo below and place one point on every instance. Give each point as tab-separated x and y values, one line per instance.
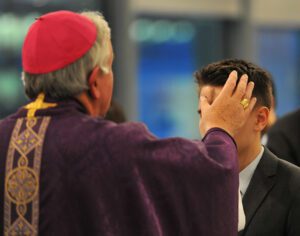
80	58
211	80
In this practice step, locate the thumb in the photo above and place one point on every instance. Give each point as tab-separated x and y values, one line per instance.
204	105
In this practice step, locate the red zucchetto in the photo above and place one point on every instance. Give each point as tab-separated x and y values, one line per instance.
56	40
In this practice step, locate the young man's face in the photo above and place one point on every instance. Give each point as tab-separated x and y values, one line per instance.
249	131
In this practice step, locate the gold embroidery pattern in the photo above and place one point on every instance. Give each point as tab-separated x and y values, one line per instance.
38	104
23	163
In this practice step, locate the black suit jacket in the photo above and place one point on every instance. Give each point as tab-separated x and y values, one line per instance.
284	138
272	200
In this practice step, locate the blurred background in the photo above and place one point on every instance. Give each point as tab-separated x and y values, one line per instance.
159	44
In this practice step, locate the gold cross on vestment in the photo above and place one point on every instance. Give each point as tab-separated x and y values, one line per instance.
38	104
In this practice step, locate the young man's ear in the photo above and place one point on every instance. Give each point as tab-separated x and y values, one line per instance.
94	83
262	117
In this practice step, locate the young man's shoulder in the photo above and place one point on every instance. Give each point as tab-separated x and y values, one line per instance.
287	177
291	171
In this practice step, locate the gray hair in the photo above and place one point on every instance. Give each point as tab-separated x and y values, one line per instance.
72	79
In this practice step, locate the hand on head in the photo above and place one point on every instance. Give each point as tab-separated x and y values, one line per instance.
227	111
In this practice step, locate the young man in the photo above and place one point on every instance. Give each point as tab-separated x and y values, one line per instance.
270	187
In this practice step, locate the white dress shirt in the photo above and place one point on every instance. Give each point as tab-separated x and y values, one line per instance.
246	174
245	177
242	218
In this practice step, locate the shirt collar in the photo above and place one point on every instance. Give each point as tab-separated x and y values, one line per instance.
246	174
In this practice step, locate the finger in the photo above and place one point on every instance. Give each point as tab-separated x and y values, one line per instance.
249	90
251	105
229	86
204	104
241	88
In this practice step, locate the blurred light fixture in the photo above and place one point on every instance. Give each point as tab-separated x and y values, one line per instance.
185	31
162	31
13	30
141	30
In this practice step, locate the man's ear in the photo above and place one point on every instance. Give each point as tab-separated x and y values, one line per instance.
93	82
262	117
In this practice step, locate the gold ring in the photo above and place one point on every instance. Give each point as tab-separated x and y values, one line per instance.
245	103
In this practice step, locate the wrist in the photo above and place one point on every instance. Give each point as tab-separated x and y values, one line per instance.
217	129
220	126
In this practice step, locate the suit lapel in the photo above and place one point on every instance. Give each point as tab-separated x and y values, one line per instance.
260	185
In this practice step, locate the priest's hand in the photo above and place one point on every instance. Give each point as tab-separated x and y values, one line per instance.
231	108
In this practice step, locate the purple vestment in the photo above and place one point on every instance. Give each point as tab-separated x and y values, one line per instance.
65	173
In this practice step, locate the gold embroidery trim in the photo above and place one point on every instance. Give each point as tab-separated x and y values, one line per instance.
38	104
22	173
